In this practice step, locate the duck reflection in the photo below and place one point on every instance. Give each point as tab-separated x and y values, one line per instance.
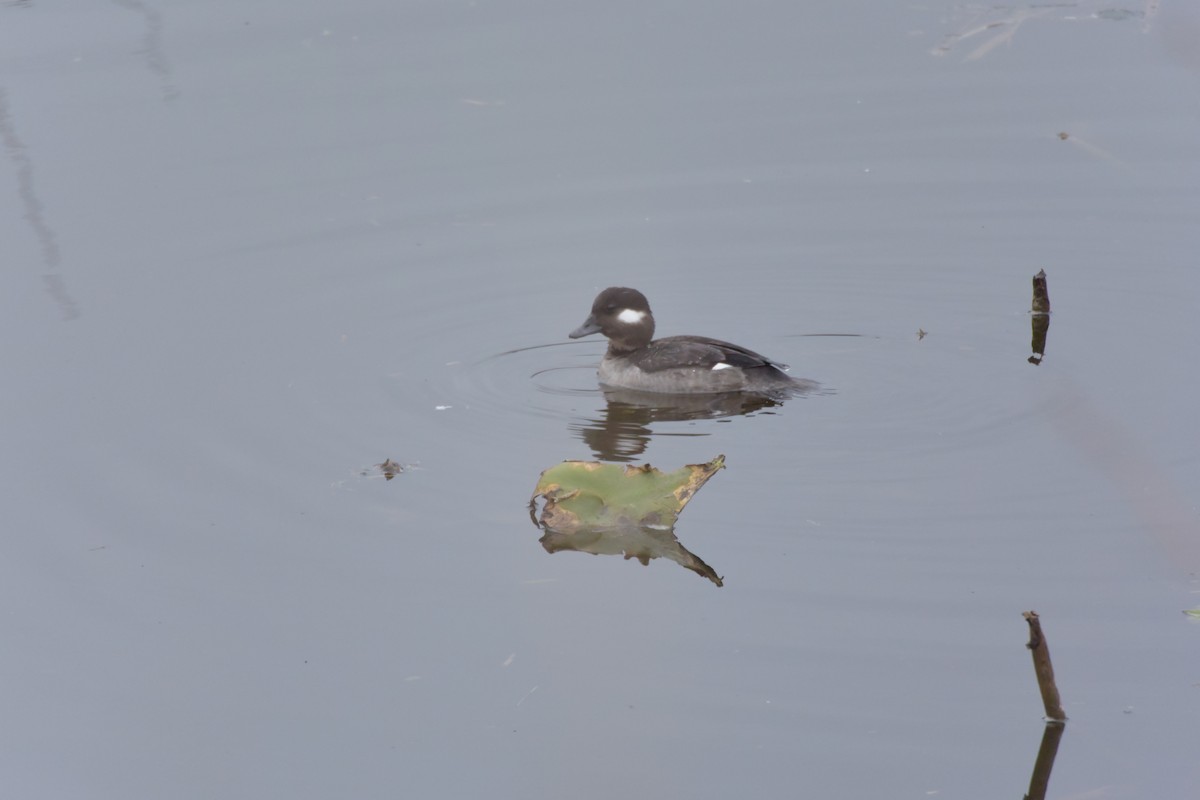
622	430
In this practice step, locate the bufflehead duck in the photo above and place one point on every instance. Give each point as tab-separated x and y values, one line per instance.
676	364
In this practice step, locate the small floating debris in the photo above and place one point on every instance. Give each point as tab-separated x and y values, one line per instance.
390	469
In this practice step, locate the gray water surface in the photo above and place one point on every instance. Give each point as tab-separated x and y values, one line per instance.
254	249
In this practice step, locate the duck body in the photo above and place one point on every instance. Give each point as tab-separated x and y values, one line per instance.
675	364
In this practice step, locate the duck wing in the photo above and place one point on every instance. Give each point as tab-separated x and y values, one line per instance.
700	351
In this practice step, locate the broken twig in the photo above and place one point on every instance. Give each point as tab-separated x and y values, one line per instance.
1039	317
1044	669
1041	298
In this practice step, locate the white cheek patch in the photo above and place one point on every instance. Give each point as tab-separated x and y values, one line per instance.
722	365
630	316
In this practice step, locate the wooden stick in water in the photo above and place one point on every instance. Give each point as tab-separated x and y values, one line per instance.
1041	298
1044	669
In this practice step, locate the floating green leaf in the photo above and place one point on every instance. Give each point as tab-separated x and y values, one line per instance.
590	494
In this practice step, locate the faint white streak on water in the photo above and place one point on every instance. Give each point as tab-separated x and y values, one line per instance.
1093	150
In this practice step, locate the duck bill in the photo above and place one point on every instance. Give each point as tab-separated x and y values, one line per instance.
588	327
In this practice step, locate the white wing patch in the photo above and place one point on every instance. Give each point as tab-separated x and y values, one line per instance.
721	365
631	316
